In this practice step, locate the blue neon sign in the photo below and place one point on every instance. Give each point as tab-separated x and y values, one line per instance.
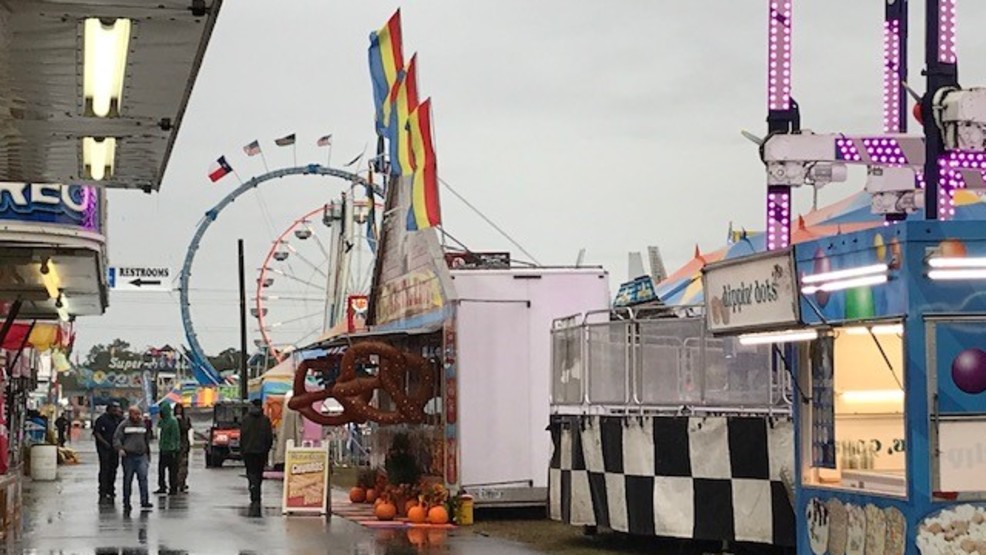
71	205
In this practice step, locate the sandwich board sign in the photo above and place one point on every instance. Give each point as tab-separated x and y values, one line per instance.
306	479
139	278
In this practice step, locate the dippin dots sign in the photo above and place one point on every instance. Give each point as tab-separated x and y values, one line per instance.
752	293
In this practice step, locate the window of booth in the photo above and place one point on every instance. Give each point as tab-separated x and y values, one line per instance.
852	426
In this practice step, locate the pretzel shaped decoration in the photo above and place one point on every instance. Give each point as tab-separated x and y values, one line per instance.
355	393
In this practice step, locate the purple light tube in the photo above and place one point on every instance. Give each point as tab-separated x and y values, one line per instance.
891	76
778	217
779	56
946	31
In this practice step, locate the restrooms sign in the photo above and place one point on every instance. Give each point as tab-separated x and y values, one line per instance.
751	293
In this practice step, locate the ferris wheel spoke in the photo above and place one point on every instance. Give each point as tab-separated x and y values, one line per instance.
305	259
292	277
293	320
321	246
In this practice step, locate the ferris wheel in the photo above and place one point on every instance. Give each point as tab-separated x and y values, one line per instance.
313	274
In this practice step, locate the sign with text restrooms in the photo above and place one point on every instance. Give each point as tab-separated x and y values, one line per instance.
751	294
306	479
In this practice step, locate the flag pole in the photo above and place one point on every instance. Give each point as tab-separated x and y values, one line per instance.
237	176
264	158
294	151
329	161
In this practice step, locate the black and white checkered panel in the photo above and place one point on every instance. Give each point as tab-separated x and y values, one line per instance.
704	478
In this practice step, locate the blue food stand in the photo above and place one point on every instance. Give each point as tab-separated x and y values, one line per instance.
890	423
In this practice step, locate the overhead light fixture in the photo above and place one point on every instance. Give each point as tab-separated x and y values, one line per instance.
873	396
841	284
879	329
62	307
98	157
106	43
788	336
957	262
849	278
957	273
50	279
845	274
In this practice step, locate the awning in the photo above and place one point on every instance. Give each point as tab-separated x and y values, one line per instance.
343	341
47	112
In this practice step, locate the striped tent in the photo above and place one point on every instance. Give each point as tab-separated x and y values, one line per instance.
684	287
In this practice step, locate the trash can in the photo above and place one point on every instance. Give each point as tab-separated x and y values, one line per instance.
465	510
44	462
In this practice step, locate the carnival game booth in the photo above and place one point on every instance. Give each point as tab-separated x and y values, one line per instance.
661	429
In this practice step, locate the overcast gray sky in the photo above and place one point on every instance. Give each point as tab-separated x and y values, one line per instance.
604	125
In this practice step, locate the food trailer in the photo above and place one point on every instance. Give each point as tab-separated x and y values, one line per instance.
890	388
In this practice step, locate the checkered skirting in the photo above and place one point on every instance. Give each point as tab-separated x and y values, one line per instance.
712	478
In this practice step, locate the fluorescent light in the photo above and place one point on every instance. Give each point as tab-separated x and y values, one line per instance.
957	262
873	396
778	337
956	273
98	156
845	274
50	279
880	329
63	311
838	285
104	64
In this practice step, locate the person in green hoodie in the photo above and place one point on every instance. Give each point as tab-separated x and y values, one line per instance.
168	445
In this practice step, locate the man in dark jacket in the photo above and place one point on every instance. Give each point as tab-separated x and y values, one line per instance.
256	439
109	459
132	442
168	445
62	425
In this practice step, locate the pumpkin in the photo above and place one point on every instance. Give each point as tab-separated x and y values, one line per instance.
371	495
438	515
357	495
417	514
385	511
409	504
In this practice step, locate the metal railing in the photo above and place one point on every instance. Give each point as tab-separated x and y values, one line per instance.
616	361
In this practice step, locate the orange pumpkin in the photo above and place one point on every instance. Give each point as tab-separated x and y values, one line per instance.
371	495
417	514
357	495
409	504
438	515
385	511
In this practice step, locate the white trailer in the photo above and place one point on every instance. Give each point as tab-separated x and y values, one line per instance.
503	320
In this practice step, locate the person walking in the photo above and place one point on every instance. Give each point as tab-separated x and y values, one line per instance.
109	459
185	449
132	442
62	424
256	439
168	445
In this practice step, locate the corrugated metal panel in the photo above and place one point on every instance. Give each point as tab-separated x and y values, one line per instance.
42	119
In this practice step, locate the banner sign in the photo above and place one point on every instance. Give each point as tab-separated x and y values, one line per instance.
68	205
306	479
637	291
477	260
751	293
356	312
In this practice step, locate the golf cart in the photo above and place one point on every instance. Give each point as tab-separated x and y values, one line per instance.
224	434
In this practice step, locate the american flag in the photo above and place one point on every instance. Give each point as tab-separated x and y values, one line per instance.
252	149
326	140
286	140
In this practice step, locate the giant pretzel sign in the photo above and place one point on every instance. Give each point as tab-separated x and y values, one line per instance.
354	393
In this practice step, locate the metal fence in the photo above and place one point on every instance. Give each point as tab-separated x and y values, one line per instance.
661	363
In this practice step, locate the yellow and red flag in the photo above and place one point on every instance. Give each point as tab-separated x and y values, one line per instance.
403	101
425	208
386	64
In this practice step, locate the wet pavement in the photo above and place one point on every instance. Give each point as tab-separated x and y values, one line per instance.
63	517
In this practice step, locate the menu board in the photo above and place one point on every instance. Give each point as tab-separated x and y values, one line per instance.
822	403
306	479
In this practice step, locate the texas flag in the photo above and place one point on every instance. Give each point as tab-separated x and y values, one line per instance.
219	169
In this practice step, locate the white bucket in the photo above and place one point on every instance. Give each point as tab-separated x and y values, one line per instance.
44	462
